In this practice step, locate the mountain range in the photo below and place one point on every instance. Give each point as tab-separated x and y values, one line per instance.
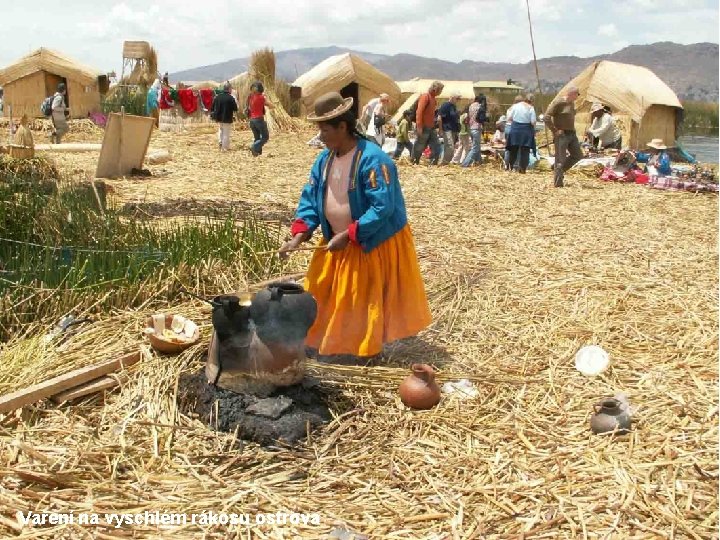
690	70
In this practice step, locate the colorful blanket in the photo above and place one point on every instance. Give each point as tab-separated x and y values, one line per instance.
166	101
207	95
673	183
188	100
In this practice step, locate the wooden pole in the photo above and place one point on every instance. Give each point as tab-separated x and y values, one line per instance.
537	71
10	126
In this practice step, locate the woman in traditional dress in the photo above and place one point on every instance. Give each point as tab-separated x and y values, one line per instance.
366	281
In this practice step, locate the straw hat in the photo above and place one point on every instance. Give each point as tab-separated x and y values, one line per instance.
658	144
329	106
501	120
596	107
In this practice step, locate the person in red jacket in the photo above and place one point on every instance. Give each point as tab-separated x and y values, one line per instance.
256	106
425	124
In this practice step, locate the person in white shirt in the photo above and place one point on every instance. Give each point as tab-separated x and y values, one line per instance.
603	133
522	136
374	117
59	114
499	136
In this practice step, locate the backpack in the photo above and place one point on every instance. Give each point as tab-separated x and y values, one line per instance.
46	107
481	114
413	110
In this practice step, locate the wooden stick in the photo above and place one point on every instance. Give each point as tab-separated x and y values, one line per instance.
36	392
306	248
97	195
537	71
91	387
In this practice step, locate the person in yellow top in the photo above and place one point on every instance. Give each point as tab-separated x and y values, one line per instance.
367	281
403	138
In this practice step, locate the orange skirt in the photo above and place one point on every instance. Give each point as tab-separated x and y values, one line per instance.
366	299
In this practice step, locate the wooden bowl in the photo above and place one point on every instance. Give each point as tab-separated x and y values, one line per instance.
163	345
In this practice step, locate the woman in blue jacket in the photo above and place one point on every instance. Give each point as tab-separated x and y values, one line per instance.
367	282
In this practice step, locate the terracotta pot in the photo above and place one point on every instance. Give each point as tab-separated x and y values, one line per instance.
165	346
609	416
419	390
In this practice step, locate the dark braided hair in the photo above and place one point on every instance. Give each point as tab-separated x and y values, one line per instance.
351	122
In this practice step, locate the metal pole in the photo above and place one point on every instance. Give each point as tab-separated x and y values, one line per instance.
537	71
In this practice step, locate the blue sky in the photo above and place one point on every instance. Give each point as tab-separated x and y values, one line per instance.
191	33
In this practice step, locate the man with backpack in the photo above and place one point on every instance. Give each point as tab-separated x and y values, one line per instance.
425	124
58	113
223	112
477	115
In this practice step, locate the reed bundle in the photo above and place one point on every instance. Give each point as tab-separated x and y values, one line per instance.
262	68
519	276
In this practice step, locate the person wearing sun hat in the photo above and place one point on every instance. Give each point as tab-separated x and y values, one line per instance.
660	159
603	132
366	280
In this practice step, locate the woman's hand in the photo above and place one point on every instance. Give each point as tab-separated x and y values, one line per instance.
339	241
290	245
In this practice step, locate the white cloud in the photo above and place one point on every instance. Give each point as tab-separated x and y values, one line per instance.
609	30
191	34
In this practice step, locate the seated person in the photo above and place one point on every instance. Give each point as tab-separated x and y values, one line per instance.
660	158
498	139
603	133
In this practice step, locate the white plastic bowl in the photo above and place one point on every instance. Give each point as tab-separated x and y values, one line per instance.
592	360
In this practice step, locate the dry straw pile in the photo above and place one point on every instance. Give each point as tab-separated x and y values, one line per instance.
519	275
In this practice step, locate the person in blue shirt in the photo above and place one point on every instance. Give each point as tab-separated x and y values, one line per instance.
450	125
366	280
660	159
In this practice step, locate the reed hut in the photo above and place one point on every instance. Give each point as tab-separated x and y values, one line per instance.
349	75
34	77
644	107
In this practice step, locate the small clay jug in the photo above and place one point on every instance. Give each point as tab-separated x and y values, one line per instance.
610	414
419	389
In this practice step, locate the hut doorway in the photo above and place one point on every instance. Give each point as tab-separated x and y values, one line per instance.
352	90
51	84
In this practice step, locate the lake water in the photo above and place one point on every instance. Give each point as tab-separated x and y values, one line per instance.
704	147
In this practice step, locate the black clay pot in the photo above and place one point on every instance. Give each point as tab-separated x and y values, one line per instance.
229	317
283	313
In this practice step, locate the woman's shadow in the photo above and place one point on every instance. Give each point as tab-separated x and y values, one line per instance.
402	353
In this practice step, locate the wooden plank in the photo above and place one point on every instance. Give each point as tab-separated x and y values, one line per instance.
36	392
124	145
96	385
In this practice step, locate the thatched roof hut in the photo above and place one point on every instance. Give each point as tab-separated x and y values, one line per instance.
31	79
351	76
642	104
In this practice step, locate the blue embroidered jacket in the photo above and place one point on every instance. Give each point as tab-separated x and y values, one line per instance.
376	200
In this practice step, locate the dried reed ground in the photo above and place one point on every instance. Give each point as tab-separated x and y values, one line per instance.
520	276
